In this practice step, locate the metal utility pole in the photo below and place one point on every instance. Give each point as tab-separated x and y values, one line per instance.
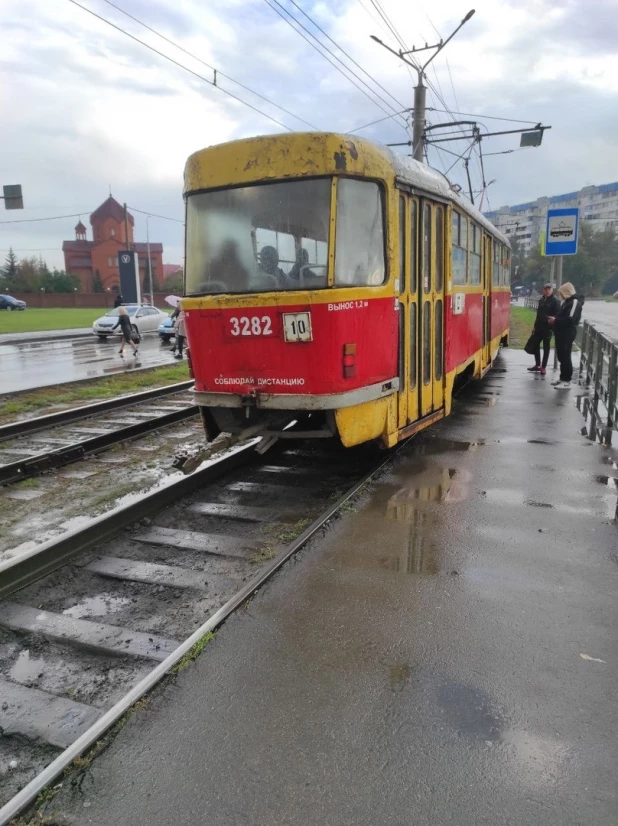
149	264
418	124
420	91
126	227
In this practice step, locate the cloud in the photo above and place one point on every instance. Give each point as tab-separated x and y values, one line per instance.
89	108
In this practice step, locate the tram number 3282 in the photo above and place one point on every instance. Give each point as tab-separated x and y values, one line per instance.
251	326
296	326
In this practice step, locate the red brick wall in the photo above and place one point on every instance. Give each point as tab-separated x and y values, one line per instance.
94	300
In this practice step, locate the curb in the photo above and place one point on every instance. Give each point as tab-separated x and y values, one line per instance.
28	338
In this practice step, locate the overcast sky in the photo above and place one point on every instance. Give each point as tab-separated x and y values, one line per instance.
85	108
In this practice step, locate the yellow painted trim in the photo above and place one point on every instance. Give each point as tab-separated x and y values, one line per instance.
325	296
279	157
362	422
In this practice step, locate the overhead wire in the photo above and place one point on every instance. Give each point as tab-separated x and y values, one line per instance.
384	16
218	72
34	220
154	215
377	83
490	117
180	65
79	215
290	20
374	122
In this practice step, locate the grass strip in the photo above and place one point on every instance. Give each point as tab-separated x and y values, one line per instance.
40	319
521	324
46	399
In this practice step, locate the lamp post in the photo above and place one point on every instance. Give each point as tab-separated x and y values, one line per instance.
149	264
420	91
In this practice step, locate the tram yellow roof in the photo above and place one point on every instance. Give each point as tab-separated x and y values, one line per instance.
311	154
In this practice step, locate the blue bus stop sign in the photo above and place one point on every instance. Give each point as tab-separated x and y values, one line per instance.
562	230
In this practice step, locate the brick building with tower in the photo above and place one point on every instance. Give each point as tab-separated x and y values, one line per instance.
87	259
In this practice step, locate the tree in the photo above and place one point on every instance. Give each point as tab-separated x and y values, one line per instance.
611	285
29	279
174	284
59	281
8	273
595	262
97	283
590	269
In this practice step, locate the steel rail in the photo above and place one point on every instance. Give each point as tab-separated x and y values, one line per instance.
22	570
29	793
27	426
40	462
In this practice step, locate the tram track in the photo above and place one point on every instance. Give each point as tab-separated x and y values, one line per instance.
47	442
92	621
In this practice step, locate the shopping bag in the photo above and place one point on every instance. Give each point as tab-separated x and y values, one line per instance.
532	344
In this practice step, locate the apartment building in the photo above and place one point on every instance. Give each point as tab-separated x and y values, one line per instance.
598	205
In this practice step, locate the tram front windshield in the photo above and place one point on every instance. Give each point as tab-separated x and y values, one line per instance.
274	237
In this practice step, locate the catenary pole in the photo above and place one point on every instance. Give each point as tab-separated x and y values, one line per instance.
418	123
420	90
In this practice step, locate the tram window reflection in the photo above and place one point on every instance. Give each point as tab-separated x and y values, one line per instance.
359	253
267	237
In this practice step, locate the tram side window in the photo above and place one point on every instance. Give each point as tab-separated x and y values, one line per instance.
459	247
475	254
359	249
496	279
427	248
439	247
506	274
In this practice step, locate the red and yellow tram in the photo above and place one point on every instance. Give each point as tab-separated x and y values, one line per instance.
334	283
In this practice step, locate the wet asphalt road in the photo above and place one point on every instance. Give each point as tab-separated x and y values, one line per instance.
40	364
445	655
604	316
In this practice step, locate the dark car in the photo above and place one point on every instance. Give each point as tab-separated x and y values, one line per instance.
166	329
7	302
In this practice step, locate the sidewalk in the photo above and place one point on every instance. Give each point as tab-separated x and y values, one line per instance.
445	655
45	335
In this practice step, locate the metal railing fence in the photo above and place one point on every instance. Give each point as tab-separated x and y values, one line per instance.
598	373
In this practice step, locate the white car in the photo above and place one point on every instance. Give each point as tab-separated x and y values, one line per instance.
144	319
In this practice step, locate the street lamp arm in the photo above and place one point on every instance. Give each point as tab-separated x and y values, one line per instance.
393	51
442	44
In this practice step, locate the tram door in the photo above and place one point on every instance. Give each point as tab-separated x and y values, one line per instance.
430	326
486	279
408	310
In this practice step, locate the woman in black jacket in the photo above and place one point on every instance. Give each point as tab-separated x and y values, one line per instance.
565	328
124	322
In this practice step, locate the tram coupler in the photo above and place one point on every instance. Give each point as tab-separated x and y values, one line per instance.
187	464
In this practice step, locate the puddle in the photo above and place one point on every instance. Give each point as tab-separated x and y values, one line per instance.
399	676
438	445
98	606
418	556
27	669
470	711
428	483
